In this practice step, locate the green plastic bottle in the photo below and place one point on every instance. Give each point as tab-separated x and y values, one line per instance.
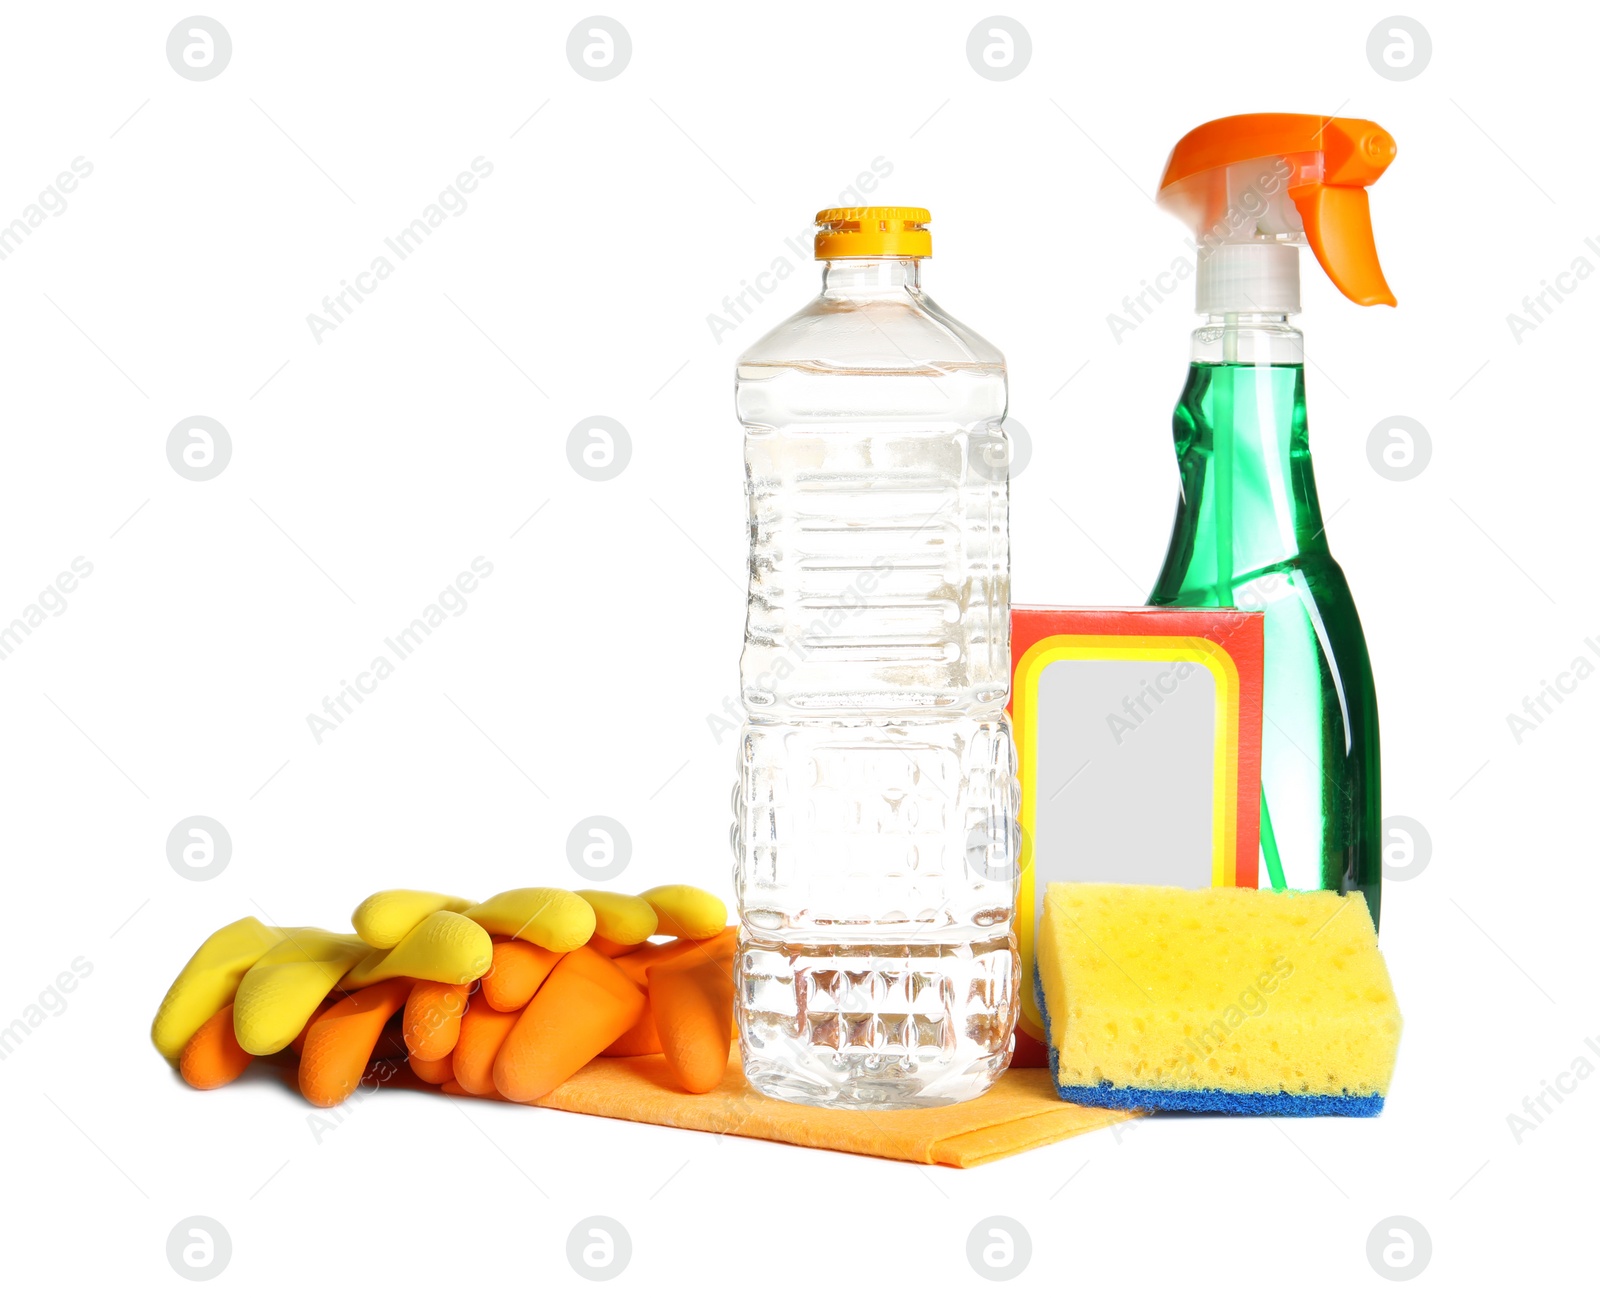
1249	531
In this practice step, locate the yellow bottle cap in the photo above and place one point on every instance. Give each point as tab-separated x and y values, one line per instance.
873	232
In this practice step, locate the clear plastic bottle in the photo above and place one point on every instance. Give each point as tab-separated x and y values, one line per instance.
875	814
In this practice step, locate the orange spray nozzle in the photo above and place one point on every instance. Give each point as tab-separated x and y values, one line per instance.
1278	177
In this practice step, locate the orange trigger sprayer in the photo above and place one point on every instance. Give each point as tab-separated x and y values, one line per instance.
1249	531
1270	181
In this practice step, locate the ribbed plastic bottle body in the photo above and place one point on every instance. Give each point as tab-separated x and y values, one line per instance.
875	830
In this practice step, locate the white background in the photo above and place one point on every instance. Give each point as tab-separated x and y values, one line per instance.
369	468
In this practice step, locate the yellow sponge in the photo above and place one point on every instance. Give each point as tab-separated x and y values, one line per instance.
1215	1000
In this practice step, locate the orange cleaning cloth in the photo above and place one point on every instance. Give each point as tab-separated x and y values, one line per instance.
1020	1112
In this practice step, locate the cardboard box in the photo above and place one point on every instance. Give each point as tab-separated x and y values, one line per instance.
1138	736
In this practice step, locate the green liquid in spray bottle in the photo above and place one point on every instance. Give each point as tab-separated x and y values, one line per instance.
1249	531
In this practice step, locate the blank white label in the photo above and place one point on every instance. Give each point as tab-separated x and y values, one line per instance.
1125	766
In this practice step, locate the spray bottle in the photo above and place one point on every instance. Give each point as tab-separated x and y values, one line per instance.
1249	531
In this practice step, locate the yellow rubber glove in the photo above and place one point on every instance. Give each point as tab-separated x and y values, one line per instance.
683	910
209	981
619	918
553	918
444	948
386	917
284	987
